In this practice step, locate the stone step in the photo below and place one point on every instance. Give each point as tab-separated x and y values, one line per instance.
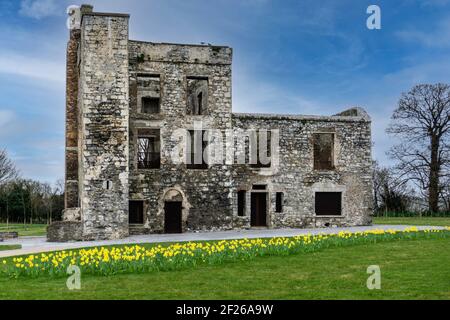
8	235
137	230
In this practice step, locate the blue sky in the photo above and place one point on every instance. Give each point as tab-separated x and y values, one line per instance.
307	57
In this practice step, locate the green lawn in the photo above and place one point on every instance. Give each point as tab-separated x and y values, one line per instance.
25	230
411	269
426	221
10	247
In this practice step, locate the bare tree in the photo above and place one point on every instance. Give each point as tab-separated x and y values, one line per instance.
58	188
380	182
4	194
422	123
35	190
445	194
390	194
8	170
47	200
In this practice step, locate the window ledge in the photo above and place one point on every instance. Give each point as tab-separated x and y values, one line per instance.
265	171
320	216
149	116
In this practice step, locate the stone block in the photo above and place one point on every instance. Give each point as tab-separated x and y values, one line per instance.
65	231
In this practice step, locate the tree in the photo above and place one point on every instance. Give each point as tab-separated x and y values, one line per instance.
8	170
58	200
4	202
445	194
30	201
390	195
422	123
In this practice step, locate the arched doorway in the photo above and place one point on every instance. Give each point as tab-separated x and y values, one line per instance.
175	211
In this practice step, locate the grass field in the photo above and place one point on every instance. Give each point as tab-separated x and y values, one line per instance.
27	230
10	247
410	269
426	221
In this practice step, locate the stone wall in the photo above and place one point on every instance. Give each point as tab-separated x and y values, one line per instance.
205	193
104	104
295	175
71	181
8	235
210	196
65	231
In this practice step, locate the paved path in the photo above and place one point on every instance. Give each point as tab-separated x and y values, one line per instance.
31	245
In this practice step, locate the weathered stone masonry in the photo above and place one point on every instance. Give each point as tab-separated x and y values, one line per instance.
123	93
296	178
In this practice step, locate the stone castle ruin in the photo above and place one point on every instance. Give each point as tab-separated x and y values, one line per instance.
128	104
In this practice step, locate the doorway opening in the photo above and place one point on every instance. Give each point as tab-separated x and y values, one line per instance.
258	209
136	212
172	217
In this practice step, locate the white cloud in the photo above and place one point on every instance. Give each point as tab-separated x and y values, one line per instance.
16	64
437	38
259	96
436	70
6	116
43	159
8	124
39	9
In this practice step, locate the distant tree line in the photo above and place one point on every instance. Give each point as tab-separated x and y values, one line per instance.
25	200
419	182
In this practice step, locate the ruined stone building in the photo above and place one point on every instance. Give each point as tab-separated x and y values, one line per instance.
127	100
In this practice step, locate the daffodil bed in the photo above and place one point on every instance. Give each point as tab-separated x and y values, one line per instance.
107	261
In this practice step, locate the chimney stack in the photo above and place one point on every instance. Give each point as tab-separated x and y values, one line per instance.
86	8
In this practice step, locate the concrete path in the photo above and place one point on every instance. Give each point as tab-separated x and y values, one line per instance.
32	245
